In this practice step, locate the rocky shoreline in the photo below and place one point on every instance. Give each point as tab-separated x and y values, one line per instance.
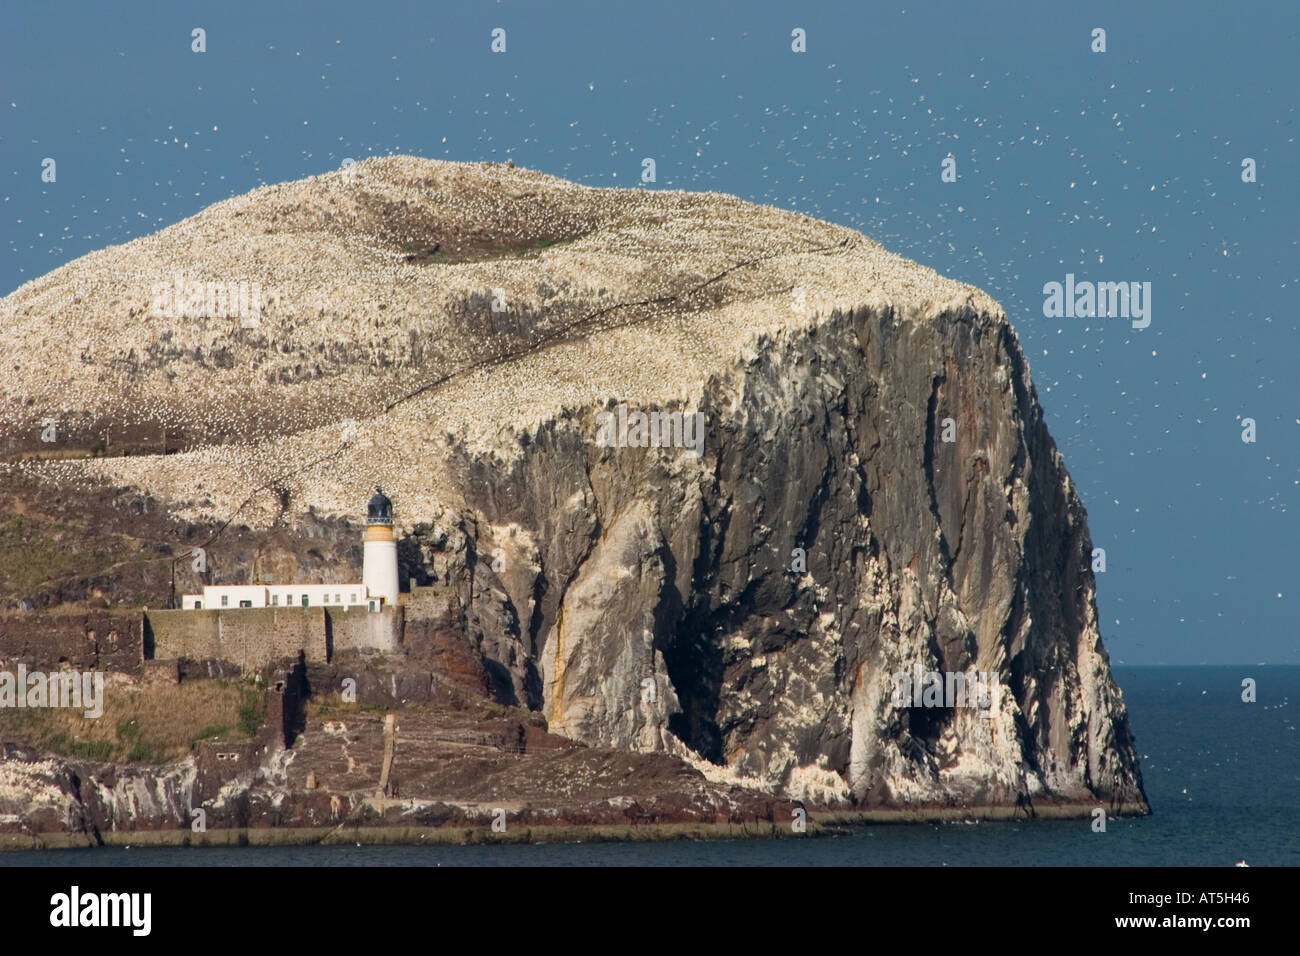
819	824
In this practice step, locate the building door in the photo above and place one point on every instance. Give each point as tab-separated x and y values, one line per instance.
304	600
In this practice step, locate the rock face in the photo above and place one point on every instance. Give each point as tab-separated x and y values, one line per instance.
651	566
876	490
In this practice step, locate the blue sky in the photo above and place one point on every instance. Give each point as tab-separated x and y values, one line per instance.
1115	166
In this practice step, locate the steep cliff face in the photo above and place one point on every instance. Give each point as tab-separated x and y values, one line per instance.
661	599
876	492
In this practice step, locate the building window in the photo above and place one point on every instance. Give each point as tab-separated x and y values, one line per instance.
336	599
288	599
354	599
198	605
225	600
245	603
275	599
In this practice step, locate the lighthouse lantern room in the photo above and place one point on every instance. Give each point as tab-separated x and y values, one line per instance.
379	558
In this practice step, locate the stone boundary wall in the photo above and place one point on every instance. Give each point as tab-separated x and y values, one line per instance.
105	640
359	629
251	638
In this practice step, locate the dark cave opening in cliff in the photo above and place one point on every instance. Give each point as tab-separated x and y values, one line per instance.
694	664
926	724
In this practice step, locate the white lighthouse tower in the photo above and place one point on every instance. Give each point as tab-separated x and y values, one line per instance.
379	559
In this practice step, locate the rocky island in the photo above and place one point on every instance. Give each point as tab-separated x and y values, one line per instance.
683	489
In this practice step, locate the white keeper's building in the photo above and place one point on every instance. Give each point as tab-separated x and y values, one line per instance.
378	585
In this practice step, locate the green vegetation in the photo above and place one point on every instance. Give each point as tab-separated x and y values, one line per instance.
146	753
541	244
85	749
150	723
252	710
213	731
31	553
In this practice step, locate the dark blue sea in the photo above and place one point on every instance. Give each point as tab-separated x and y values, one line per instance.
1223	777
